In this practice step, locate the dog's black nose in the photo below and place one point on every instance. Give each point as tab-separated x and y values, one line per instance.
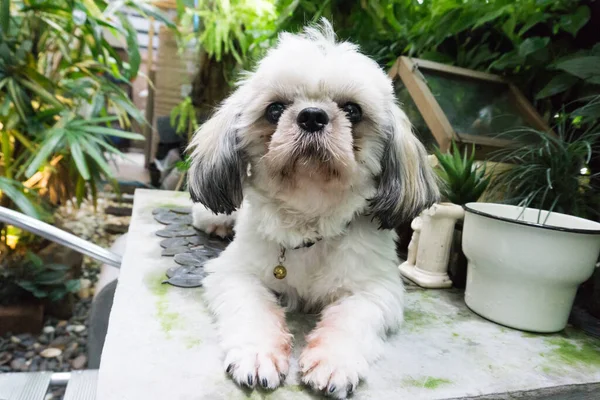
312	119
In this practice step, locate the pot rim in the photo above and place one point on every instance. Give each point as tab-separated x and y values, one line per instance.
533	224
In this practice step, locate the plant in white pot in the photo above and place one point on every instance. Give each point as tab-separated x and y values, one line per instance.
525	264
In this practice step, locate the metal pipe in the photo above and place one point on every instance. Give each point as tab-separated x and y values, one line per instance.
59	236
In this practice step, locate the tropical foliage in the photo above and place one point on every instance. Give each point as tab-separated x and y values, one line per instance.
538	43
62	103
62	96
553	173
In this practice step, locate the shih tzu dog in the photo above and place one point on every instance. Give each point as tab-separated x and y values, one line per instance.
316	164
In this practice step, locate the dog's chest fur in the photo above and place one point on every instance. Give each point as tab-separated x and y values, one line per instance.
318	275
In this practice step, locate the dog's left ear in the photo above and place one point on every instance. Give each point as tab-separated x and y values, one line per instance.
407	184
217	167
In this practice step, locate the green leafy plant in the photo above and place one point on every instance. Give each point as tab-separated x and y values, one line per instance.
553	172
183	118
52	281
62	103
60	91
463	181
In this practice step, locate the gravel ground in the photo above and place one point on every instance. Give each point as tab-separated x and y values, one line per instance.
62	345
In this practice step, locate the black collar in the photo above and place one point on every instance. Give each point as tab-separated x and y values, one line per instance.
308	243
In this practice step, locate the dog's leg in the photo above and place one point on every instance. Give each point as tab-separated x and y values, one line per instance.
251	326
349	336
211	223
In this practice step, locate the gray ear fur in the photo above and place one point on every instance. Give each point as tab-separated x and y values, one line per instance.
217	167
407	184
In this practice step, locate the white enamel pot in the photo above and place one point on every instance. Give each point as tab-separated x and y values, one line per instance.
524	265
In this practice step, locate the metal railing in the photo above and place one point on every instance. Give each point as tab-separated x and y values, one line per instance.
59	236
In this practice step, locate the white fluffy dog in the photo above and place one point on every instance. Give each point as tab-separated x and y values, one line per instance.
321	164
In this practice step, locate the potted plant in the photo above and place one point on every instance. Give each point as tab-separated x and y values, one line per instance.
31	285
528	257
462	181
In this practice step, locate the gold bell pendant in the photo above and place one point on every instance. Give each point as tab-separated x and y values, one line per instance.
279	272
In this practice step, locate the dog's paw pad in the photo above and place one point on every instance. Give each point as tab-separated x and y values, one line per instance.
333	376
256	368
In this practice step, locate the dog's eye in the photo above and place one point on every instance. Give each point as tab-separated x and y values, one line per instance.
353	112
274	112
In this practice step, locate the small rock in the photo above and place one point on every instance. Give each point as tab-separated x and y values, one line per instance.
61	342
43	339
15	340
49	330
19	364
51	352
79	362
77	328
29	354
36	346
61	324
5	357
27	342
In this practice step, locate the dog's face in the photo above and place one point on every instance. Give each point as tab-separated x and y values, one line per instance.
314	128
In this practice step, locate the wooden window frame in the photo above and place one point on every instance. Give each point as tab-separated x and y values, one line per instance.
407	70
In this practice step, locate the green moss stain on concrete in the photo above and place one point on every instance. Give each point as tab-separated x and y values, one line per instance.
415	319
581	352
168	320
529	335
454	334
428	382
434	383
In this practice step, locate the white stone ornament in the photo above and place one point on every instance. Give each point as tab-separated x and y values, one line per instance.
429	248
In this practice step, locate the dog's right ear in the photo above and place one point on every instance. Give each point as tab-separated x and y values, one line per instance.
217	167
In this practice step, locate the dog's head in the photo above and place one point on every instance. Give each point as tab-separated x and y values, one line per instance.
315	127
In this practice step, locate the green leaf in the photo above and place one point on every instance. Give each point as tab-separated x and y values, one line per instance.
492	15
78	157
151	11
590	110
97	156
557	84
56	294
133	49
5	16
532	45
508	60
15	191
111	132
533	21
41	92
17	98
72	285
581	67
48	146
573	22
57	267
50	278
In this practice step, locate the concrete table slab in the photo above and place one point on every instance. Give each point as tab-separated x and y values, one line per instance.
161	343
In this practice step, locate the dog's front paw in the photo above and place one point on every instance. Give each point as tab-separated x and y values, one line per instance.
220	224
333	368
251	367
